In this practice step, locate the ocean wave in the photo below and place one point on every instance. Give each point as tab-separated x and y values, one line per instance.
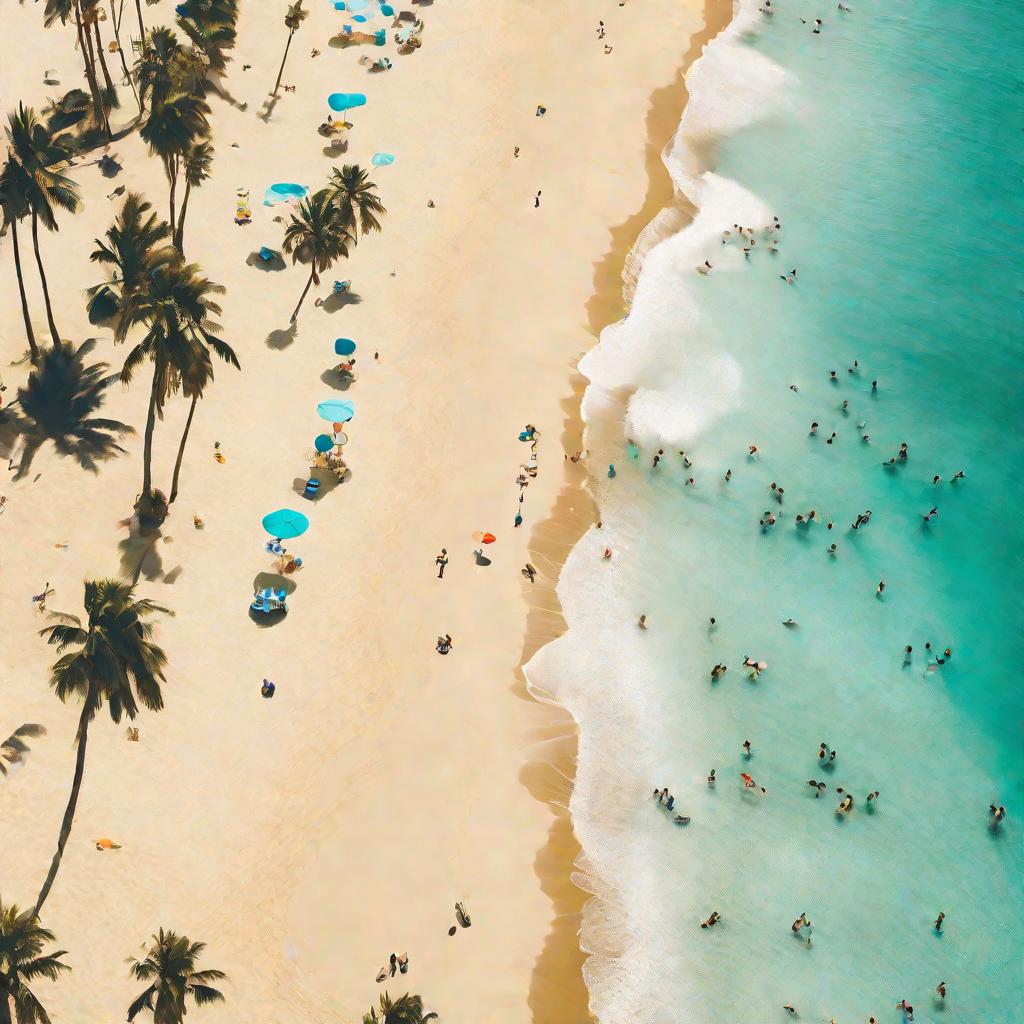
645	385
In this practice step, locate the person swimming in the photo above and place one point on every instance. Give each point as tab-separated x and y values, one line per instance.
712	920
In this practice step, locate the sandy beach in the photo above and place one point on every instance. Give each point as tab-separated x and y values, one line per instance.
307	837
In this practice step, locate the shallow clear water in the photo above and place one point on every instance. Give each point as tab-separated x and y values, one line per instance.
893	162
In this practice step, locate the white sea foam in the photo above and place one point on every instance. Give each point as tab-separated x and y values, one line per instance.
657	378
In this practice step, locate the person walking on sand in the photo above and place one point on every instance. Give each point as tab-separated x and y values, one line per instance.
536	199
441	561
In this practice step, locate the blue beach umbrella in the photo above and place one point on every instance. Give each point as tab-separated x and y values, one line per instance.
335	410
345	100
344	347
285	523
323	442
382	159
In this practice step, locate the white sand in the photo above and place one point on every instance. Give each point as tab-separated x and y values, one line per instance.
307	837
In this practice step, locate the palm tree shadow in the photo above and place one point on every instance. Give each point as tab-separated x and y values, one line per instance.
139	555
268	108
282	338
58	405
337	300
339	380
9	433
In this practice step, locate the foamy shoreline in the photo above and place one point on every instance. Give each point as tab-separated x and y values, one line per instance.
674	202
305	838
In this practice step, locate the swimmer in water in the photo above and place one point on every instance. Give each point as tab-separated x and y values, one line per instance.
642	622
958	475
939	920
845	805
814	428
712	920
880	589
800	923
711	777
746	748
818	787
941	989
931	515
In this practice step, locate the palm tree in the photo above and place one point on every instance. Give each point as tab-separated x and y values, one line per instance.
63	11
15	206
356	199
316	235
33	155
114	660
12	748
58	403
158	67
142	26
193	383
170	968
196	165
406	1009
93	14
293	18
177	309
23	961
173	127
210	25
133	248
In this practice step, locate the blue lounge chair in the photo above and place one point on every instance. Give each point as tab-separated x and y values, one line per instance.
268	600
312	488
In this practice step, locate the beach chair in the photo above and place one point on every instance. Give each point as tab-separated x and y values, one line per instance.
268	600
312	488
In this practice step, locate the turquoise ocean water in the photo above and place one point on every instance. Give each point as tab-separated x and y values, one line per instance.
889	146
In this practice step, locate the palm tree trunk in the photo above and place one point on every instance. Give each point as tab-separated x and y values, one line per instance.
103	60
147	446
120	52
5	1005
277	84
171	169
69	811
90	71
142	27
42	279
30	334
181	449
303	295
179	231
